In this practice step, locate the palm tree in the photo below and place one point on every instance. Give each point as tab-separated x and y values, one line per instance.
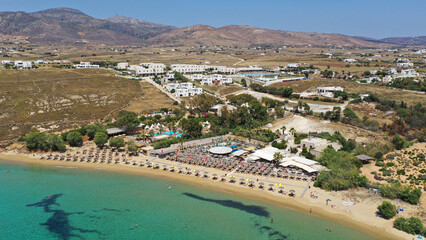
283	128
292	130
278	156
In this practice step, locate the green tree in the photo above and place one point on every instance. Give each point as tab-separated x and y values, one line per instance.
398	142
278	156
410	225
92	129
100	139
349	113
131	147
128	120
116	142
411	195
37	141
387	209
75	139
57	143
244	82
191	128
343	171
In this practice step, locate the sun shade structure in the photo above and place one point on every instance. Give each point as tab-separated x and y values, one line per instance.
220	150
364	158
239	153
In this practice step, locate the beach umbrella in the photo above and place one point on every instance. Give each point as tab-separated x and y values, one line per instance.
271	185
261	183
292	191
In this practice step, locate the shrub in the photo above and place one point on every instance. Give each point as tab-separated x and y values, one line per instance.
100	139
411	196
380	164
116	142
390	164
387	210
75	139
343	171
410	225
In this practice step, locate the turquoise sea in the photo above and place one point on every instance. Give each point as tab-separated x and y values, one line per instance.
59	203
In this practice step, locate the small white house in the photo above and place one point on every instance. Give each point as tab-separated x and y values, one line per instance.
350	60
207	81
292	65
329	89
404	64
226	81
409	73
197	77
172	86
181	92
195	91
186	85
23	65
40	62
122	65
6	62
392	71
84	65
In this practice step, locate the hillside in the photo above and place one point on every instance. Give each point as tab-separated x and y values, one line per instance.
246	36
65	25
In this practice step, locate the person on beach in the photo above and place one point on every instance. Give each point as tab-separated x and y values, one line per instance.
310	210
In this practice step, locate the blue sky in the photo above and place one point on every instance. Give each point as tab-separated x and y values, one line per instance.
371	18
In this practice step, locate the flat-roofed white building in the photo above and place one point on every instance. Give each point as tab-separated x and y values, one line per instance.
188	68
409	73
292	65
6	62
186	85
122	65
350	60
172	86
197	77
207	81
329	89
179	92
252	68
226	81
23	65
154	68
392	71
224	69
404	64
84	65
40	62
195	91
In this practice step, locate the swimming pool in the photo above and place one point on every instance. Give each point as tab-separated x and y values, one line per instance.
166	133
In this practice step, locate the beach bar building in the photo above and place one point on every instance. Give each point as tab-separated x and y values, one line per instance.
162	152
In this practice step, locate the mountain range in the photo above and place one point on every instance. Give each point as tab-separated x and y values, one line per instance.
66	25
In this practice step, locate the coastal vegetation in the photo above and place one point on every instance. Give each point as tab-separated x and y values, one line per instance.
36	141
387	210
343	171
411	225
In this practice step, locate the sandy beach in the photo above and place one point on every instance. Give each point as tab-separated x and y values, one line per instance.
354	208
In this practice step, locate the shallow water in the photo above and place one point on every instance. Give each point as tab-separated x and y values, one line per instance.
60	203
